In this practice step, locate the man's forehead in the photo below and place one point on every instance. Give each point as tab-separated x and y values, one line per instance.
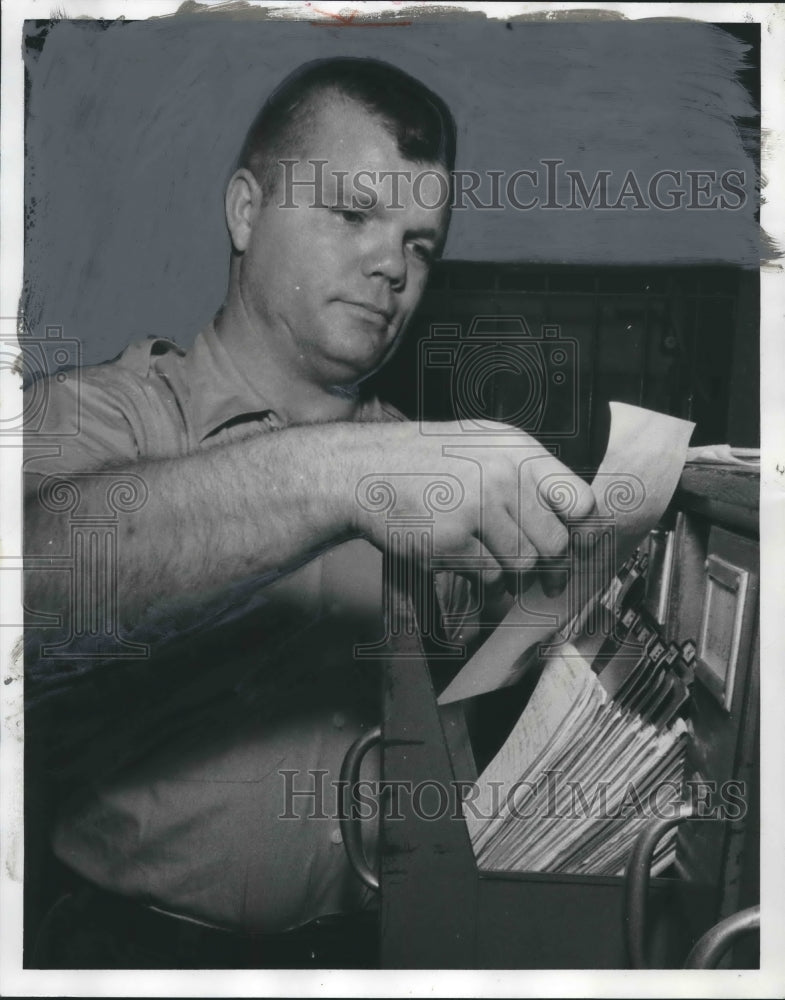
346	155
348	135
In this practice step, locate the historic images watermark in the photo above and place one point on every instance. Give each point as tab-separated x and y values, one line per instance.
550	184
308	794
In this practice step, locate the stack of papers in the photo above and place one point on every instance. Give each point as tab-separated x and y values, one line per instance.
576	780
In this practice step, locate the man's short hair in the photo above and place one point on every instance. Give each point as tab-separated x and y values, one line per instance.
419	120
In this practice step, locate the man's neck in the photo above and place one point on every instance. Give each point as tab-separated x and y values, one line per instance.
296	399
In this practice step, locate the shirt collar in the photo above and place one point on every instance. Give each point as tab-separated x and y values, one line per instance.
220	391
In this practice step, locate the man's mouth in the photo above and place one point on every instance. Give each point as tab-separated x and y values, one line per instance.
380	312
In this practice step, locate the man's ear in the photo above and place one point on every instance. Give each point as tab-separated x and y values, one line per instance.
243	201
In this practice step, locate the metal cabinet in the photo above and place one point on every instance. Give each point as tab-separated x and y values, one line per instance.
440	911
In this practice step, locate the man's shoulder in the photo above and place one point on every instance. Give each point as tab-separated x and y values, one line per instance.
132	366
121	409
140	354
138	359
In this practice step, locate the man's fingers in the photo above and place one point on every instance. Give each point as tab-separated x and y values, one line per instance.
545	531
557	497
560	490
478	565
522	509
553	580
484	572
511	548
549	537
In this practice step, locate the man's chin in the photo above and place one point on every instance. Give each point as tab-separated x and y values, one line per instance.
347	372
347	367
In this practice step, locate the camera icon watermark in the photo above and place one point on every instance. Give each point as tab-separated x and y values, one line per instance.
498	371
38	360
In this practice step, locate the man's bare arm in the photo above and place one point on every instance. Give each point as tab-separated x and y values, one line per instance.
267	503
210	518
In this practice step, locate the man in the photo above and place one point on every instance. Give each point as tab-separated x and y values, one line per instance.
252	448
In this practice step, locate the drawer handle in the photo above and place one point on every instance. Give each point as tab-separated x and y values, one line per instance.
636	883
351	826
710	948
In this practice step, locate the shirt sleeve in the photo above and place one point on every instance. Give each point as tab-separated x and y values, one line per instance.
76	421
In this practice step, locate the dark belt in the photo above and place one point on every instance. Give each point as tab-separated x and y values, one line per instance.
90	928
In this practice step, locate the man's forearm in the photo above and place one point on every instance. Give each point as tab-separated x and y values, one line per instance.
263	505
211	518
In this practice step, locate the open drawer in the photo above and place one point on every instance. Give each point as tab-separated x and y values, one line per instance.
438	909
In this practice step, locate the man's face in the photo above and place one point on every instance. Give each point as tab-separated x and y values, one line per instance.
332	282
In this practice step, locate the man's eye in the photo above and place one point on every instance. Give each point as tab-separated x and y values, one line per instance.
424	253
354	218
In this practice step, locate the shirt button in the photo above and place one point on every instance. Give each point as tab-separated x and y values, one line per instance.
336	837
339	720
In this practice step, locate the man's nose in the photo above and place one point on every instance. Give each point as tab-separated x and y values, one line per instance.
387	260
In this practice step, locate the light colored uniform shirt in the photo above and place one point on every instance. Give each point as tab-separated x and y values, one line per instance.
196	828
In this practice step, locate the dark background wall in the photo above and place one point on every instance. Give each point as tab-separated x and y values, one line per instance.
547	348
132	129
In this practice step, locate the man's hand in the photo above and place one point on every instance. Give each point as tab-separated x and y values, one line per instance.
496	500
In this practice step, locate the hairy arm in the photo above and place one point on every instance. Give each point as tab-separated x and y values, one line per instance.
263	505
253	508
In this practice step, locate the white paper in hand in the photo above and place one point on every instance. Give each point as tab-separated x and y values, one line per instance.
638	476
